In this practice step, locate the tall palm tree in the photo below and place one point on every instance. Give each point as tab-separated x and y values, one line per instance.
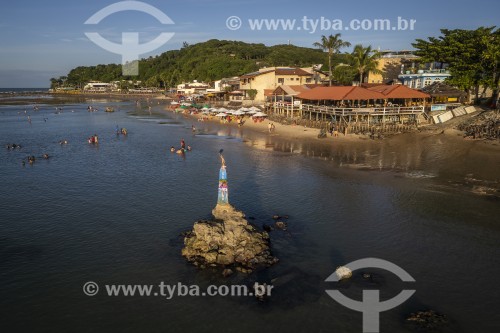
365	60
332	44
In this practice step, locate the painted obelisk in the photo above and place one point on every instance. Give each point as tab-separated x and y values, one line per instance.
222	198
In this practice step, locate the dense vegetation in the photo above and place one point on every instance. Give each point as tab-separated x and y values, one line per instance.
208	61
473	57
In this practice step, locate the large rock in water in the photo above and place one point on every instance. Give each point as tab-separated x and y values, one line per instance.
227	240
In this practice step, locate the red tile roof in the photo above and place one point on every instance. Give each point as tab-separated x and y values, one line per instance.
268	92
340	93
398	91
292	71
291	90
279	71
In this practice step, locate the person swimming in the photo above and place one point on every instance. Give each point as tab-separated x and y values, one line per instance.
181	151
189	148
172	149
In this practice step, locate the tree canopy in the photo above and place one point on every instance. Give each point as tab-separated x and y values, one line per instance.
207	61
332	44
473	57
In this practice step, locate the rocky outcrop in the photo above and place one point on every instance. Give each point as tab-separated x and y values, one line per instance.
227	240
428	319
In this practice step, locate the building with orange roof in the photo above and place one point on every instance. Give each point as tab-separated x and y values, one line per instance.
377	104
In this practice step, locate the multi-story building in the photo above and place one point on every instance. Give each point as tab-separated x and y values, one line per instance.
423	77
390	63
268	79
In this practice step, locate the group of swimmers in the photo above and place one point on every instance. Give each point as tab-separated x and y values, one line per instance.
121	131
12	146
32	159
181	150
94	139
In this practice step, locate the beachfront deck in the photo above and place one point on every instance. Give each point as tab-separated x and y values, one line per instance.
367	115
349	119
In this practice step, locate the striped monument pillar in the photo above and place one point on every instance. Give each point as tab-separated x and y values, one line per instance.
223	198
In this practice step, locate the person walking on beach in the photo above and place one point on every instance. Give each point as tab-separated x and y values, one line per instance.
270	127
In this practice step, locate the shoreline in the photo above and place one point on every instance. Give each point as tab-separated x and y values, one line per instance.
434	152
298	132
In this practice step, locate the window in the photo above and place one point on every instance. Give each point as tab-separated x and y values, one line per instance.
308	80
281	80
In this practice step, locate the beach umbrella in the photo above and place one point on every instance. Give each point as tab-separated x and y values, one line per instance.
254	108
222	109
238	113
260	114
205	107
222	114
251	111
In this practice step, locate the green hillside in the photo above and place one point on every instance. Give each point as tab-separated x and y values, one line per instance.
207	61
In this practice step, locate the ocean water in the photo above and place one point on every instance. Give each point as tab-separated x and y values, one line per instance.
113	214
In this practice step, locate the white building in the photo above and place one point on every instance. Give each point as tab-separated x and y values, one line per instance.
191	88
97	86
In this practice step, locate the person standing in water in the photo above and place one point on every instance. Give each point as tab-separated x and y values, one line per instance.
183	144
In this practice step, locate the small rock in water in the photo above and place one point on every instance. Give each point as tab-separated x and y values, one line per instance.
226	272
343	272
280	225
260	291
276	217
367	275
428	319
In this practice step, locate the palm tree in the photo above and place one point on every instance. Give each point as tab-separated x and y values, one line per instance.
365	60
332	44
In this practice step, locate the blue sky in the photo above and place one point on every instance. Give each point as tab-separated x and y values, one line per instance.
44	39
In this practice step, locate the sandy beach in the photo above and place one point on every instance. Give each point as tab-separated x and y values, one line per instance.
297	132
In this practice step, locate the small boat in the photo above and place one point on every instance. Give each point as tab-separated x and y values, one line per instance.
110	109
